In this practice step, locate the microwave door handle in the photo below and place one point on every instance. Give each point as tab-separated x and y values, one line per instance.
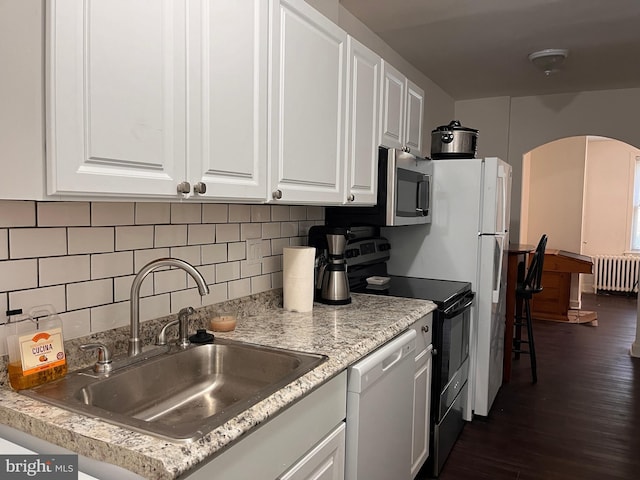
422	207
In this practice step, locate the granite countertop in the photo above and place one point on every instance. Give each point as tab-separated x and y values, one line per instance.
343	333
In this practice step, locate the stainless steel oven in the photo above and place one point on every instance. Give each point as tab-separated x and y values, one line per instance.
450	387
404	193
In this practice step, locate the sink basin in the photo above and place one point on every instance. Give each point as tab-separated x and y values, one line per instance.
184	393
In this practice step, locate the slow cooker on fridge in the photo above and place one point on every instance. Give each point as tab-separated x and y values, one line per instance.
453	141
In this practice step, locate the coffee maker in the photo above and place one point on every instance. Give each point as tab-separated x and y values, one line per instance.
331	281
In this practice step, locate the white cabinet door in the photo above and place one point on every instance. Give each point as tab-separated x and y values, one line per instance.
116	95
363	100
307	105
227	109
402	111
415	109
324	462
421	411
393	105
421	393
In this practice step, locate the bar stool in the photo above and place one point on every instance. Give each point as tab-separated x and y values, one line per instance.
526	288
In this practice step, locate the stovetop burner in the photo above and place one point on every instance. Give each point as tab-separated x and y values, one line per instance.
440	292
368	257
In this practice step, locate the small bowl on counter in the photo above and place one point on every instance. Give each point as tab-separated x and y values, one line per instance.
223	321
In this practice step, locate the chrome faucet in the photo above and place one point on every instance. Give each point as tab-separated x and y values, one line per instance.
135	346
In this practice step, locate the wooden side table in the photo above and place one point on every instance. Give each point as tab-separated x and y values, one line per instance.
516	254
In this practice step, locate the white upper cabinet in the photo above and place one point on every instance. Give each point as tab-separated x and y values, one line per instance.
158	98
363	119
308	61
227	98
116	95
393	105
415	110
214	100
402	111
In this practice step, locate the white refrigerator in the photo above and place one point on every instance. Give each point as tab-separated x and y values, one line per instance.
466	241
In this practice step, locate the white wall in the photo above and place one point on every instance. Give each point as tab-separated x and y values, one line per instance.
608	197
556	194
491	117
555	206
536	120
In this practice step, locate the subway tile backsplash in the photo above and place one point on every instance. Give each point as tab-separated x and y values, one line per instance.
81	257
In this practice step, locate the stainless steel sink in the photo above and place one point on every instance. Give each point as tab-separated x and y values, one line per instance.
183	394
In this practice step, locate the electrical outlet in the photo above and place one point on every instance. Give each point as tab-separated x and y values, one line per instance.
254	251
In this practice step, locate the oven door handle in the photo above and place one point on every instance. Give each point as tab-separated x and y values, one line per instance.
460	306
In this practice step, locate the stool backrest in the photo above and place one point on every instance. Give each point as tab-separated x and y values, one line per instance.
533	281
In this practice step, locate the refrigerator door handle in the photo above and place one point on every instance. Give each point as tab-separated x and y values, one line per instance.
502	177
495	294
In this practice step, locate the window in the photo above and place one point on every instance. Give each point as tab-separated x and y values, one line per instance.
635	228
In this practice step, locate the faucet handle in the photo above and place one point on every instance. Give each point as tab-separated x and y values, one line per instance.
183	326
185	312
104	363
161	339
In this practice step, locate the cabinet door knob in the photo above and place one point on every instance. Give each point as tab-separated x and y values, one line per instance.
351	198
200	188
184	187
425	328
406	149
277	195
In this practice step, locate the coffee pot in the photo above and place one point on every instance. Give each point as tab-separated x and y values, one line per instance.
332	283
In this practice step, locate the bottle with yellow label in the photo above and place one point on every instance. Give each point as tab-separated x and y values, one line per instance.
36	348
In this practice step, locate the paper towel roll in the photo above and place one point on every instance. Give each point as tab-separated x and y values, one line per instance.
297	278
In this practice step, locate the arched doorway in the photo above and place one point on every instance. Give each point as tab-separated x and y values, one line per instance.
579	191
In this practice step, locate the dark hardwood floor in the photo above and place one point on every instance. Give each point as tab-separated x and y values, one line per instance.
581	421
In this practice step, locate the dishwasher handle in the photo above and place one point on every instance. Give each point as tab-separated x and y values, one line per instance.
391	360
381	362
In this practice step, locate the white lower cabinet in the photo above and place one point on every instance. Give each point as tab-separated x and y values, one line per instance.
324	462
296	436
421	394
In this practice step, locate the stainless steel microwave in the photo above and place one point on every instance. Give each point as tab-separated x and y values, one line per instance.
404	193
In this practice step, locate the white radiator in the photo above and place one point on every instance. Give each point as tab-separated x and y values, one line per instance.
616	273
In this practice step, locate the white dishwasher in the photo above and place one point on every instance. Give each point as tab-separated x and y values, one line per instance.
379	412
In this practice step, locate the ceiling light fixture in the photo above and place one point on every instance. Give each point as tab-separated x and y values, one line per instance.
549	60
